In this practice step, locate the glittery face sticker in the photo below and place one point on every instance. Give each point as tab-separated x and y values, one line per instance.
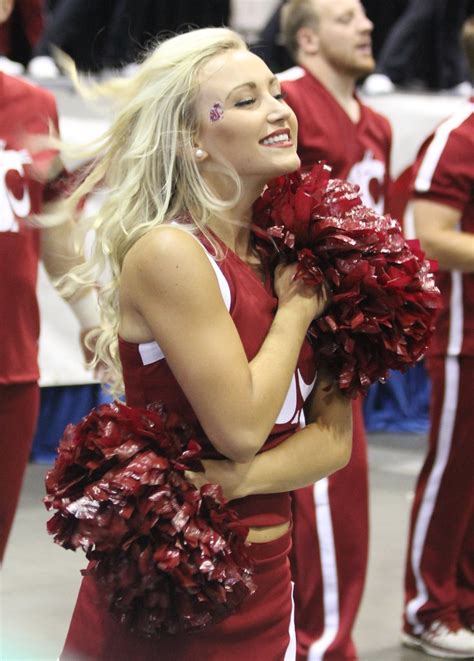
216	112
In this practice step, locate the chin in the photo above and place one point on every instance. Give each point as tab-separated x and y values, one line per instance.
364	67
291	165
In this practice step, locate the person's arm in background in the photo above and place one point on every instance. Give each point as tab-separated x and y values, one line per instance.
437	227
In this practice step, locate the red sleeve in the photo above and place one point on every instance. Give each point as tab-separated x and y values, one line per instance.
444	168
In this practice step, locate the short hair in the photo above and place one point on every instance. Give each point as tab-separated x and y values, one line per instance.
467	38
296	14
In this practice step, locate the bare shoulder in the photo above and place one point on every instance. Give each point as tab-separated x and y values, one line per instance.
166	257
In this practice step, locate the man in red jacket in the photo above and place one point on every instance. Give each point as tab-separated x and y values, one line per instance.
26	176
331	42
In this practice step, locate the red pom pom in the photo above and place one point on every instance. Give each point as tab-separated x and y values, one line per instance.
384	299
169	557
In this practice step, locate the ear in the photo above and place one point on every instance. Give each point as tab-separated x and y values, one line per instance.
308	40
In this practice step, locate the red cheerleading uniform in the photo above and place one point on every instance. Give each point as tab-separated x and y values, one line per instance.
261	629
439	578
331	518
25	109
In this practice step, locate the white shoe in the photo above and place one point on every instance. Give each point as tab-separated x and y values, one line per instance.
44	67
378	83
442	642
462	89
10	67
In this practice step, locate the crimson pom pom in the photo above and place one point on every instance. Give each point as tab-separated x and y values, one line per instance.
169	557
384	298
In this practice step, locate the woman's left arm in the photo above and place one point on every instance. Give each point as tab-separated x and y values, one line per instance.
321	448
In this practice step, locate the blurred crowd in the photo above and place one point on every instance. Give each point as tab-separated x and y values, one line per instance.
100	35
415	42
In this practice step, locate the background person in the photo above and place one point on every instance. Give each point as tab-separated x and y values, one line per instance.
439	579
25	183
330	40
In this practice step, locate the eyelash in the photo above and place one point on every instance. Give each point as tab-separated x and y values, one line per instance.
248	102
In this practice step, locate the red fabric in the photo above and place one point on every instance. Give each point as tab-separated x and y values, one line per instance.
25	109
348	511
447	549
252	310
259	631
19	406
358	152
446	177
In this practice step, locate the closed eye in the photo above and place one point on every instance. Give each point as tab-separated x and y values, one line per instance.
245	102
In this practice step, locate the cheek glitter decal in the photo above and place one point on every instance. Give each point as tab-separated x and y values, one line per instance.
216	112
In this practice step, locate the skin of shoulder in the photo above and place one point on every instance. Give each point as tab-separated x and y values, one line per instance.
169	293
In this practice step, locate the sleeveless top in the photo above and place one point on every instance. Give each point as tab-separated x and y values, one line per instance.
252	306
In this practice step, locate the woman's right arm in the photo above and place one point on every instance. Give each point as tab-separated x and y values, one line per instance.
319	449
169	286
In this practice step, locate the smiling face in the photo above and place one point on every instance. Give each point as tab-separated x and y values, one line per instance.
6	8
342	37
243	121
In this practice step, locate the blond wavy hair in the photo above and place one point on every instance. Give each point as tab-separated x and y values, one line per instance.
146	163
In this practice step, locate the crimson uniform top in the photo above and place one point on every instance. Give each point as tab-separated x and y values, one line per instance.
359	152
24	109
445	174
252	306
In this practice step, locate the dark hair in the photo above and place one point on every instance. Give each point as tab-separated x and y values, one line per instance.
296	14
467	37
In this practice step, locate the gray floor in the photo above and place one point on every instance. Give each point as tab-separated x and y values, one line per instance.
40	580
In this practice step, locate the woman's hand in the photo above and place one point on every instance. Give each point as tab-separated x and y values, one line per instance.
312	300
230	475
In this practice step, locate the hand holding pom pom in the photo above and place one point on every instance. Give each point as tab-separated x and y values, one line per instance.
383	296
169	557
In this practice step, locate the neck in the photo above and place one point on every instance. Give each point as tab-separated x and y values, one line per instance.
233	225
340	85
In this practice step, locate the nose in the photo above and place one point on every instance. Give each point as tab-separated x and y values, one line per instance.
278	110
366	24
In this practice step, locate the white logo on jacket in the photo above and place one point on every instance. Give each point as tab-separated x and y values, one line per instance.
369	175
11	207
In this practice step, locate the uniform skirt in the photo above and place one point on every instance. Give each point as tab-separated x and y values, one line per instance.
259	630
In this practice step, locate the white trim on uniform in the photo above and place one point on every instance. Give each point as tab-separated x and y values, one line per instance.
327	552
456	315
290	654
428	502
150	352
436	147
295	73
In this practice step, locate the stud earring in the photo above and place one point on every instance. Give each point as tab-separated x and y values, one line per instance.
199	153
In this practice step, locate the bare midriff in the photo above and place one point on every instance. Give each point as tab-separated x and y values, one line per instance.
262	534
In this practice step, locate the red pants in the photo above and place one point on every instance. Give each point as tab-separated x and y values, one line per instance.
31	12
19	406
329	557
439	580
260	631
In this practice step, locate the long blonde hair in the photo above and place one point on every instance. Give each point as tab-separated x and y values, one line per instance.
146	163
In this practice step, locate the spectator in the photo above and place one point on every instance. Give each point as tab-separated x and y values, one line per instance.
396	60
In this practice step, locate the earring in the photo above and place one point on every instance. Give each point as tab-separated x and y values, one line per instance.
199	153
